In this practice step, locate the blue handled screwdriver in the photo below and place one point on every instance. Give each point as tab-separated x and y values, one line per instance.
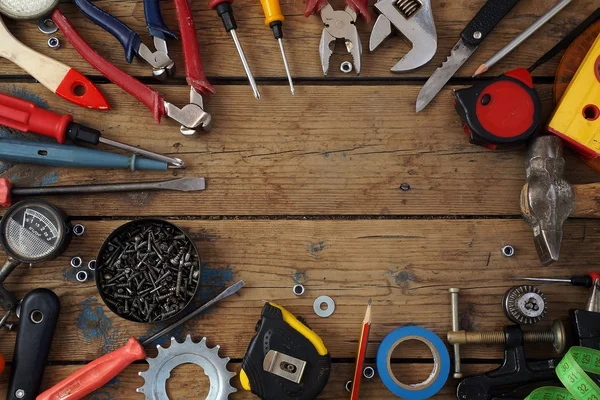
60	155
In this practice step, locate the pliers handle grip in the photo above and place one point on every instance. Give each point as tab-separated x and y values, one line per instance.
359	6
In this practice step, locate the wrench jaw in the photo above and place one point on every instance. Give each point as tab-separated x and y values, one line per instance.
381	31
415	24
162	65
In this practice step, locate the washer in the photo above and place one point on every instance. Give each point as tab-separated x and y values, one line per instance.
346	67
81	276
327	301
76	262
46	25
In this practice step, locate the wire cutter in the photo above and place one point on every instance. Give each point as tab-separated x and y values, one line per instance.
162	65
192	116
339	24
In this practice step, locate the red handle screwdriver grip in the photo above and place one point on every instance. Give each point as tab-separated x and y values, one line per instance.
27	117
95	374
215	3
5	188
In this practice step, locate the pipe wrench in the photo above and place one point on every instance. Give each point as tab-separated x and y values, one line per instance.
162	65
339	24
414	20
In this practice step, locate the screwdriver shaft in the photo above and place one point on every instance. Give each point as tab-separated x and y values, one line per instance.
542	280
181	184
226	293
173	162
240	51
287	66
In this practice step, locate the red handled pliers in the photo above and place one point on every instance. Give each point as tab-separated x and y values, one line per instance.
192	116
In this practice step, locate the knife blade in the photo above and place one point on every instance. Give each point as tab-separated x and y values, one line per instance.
492	12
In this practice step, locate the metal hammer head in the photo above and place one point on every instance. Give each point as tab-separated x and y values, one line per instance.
546	198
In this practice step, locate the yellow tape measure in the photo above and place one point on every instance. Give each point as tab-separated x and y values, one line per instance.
572	373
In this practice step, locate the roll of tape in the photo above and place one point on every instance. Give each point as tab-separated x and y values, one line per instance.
441	363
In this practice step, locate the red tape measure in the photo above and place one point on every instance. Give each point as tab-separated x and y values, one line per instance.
504	111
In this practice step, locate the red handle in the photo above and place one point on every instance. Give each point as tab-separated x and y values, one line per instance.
96	374
215	3
137	89
27	117
361	7
191	49
5	200
594	276
313	7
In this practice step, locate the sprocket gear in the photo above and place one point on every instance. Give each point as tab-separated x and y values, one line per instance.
524	304
188	352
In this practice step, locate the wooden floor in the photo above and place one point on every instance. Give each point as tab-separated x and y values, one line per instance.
306	189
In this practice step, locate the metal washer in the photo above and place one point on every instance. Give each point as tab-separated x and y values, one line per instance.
324	300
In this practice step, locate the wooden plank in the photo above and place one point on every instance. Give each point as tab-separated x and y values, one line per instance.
320	152
405	266
302	40
188	382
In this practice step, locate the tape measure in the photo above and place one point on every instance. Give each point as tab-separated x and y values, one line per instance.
441	363
572	372
285	359
507	110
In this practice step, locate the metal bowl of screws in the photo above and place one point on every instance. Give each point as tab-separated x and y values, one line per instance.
148	271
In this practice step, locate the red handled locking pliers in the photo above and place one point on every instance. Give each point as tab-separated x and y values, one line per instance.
339	24
192	116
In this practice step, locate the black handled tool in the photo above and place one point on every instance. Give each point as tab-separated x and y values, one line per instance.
38	315
471	37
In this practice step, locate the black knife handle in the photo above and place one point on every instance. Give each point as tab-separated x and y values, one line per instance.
37	321
486	19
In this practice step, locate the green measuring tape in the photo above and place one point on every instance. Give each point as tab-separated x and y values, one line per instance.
572	373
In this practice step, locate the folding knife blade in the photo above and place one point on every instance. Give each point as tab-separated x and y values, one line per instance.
459	55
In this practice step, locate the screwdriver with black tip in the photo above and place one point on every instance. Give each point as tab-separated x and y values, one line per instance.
225	11
586	281
274	19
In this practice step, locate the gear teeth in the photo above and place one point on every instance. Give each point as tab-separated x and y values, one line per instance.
188	339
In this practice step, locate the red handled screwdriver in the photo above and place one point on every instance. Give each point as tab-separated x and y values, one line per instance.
25	116
586	281
225	11
99	372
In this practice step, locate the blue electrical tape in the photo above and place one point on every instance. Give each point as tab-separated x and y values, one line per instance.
441	358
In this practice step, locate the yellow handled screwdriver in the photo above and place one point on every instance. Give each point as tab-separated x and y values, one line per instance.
274	19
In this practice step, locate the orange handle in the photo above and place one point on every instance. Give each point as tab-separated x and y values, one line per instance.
95	374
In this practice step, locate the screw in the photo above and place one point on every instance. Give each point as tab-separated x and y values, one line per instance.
556	336
477	35
19	393
405	187
455	327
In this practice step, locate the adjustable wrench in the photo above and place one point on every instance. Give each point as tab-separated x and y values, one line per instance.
414	20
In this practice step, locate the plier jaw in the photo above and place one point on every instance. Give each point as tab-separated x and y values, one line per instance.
192	116
339	24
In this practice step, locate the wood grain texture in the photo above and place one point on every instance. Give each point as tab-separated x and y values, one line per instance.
307	189
343	150
302	39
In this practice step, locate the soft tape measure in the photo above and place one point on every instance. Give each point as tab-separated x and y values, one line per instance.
572	372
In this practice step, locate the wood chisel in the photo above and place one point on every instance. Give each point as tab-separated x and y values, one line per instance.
492	12
181	185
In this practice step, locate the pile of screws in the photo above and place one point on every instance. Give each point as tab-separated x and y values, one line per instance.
148	271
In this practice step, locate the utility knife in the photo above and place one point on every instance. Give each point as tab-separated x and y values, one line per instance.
471	37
